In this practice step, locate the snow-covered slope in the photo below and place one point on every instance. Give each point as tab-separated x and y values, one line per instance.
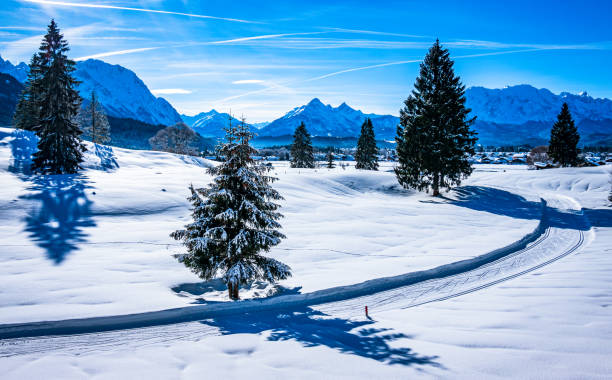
325	120
523	103
19	72
123	94
210	124
113	220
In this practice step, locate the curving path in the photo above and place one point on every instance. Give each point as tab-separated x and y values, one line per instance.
560	232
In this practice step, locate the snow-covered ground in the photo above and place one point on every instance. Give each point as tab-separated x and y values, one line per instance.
97	244
555	322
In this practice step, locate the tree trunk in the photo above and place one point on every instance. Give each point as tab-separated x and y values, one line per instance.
436	185
232	291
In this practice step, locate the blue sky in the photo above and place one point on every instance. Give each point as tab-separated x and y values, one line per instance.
260	59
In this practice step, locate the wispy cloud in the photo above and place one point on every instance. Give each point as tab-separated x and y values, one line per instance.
170	91
113	53
26	28
386	64
104	6
248	81
261	37
373	32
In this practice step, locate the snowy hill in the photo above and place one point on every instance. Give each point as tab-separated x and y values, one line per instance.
19	72
123	94
325	120
211	124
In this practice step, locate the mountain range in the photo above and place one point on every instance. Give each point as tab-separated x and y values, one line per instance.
510	116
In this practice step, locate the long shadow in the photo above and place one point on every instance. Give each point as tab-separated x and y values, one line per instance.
501	202
314	328
63	212
105	153
23	145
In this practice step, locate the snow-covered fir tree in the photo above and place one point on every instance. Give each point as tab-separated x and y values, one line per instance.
235	219
434	139
93	121
27	113
564	137
302	155
330	158
60	148
366	155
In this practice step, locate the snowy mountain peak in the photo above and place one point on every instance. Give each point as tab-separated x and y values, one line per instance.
123	94
523	103
315	102
19	72
211	123
325	120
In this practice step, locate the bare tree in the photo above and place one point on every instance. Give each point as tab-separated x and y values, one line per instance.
93	122
178	138
538	154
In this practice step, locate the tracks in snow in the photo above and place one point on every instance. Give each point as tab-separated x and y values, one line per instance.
560	232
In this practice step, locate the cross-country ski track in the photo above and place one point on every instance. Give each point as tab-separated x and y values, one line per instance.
561	232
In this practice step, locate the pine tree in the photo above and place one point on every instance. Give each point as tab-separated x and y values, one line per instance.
60	148
366	155
235	218
330	158
27	113
434	140
302	155
93	121
564	137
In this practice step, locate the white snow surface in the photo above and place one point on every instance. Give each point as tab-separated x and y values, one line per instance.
102	247
554	323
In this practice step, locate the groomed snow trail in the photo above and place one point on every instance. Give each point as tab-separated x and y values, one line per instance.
560	233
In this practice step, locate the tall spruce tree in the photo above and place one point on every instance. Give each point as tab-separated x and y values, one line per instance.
93	121
330	158
366	155
564	137
434	140
60	148
27	113
302	155
235	218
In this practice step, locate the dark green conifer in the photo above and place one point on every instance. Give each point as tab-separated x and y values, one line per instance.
60	148
27	113
302	155
564	137
367	152
434	139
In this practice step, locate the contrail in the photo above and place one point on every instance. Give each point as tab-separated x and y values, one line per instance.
112	53
121	52
373	67
415	61
102	6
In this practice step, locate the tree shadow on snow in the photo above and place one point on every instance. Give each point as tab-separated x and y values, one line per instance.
501	202
313	328
105	153
23	145
257	289
63	211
